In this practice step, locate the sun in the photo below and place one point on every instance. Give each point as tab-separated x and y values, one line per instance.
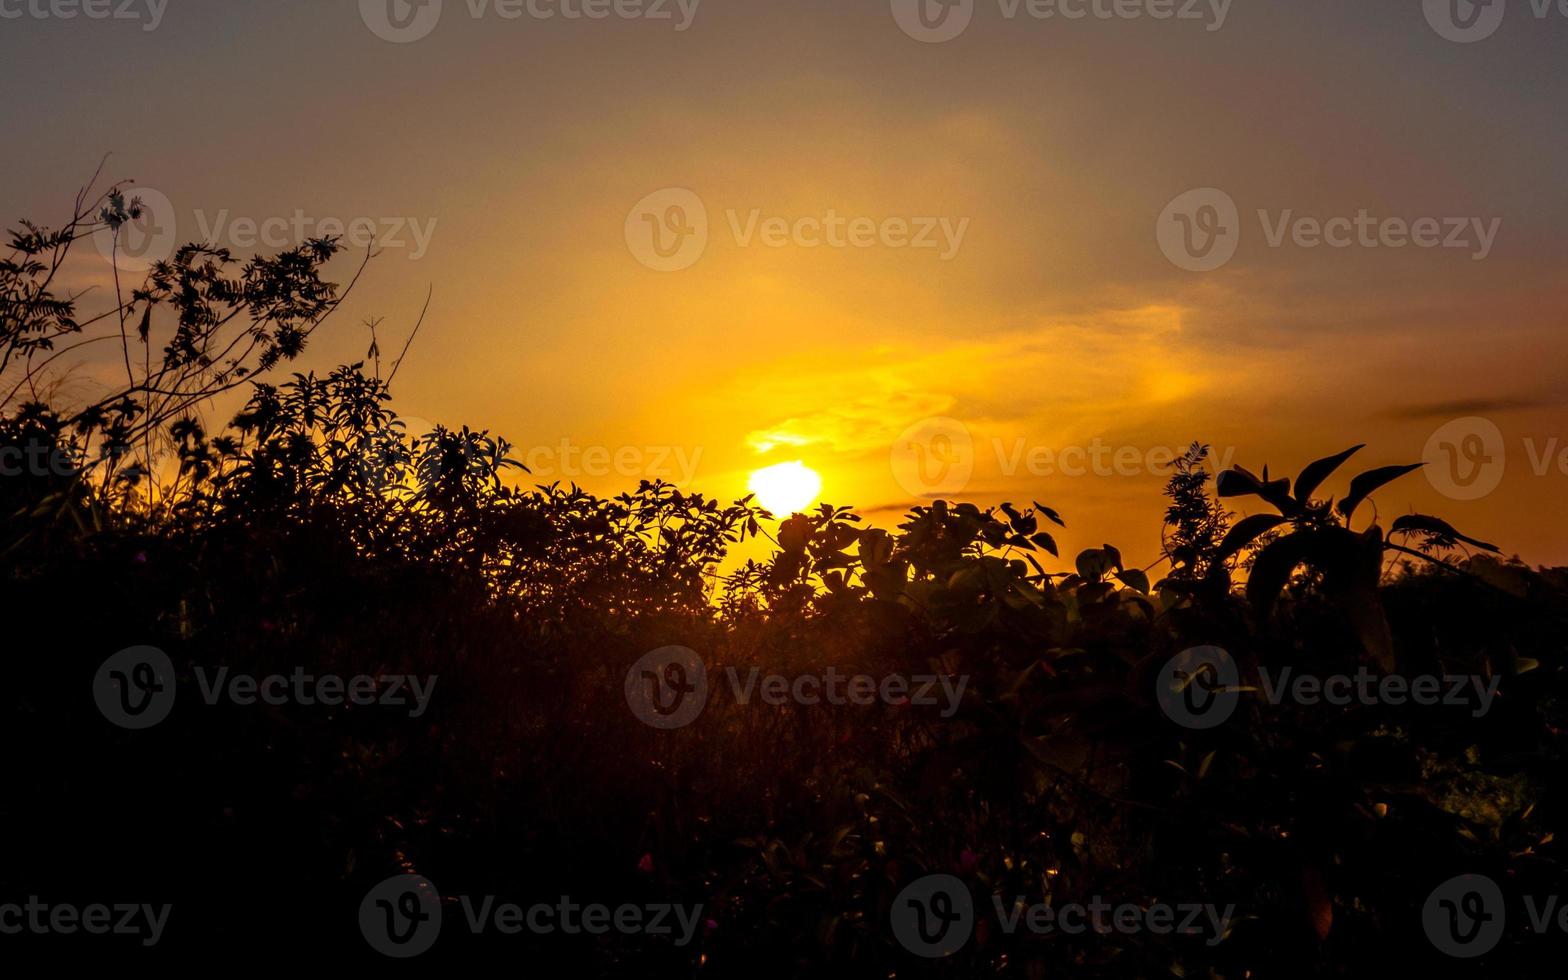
787	488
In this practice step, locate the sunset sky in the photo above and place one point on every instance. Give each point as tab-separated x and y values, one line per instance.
1046	322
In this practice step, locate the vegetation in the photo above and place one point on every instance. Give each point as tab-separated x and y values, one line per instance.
315	532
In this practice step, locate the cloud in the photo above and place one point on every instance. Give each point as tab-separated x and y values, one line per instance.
1463	406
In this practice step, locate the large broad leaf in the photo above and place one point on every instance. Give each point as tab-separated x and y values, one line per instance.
1437	528
1113	556
1245	531
1316	472
1134	578
1093	564
1367	483
1273	568
1361	603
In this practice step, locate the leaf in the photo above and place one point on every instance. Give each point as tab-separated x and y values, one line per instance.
1438	528
1273	568
1367	483
1245	531
1113	556
1050	514
1092	564
1134	578
1237	482
1045	541
1318	471
1240	482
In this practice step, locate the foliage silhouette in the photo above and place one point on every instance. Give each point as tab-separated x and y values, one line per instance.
315	532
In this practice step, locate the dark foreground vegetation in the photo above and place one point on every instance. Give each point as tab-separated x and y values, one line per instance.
314	533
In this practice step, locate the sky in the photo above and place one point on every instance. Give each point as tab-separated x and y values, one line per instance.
984	250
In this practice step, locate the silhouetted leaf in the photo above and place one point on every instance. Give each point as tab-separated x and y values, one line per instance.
1273	568
1245	531
1319	470
1437	528
1134	578
1367	483
1045	541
